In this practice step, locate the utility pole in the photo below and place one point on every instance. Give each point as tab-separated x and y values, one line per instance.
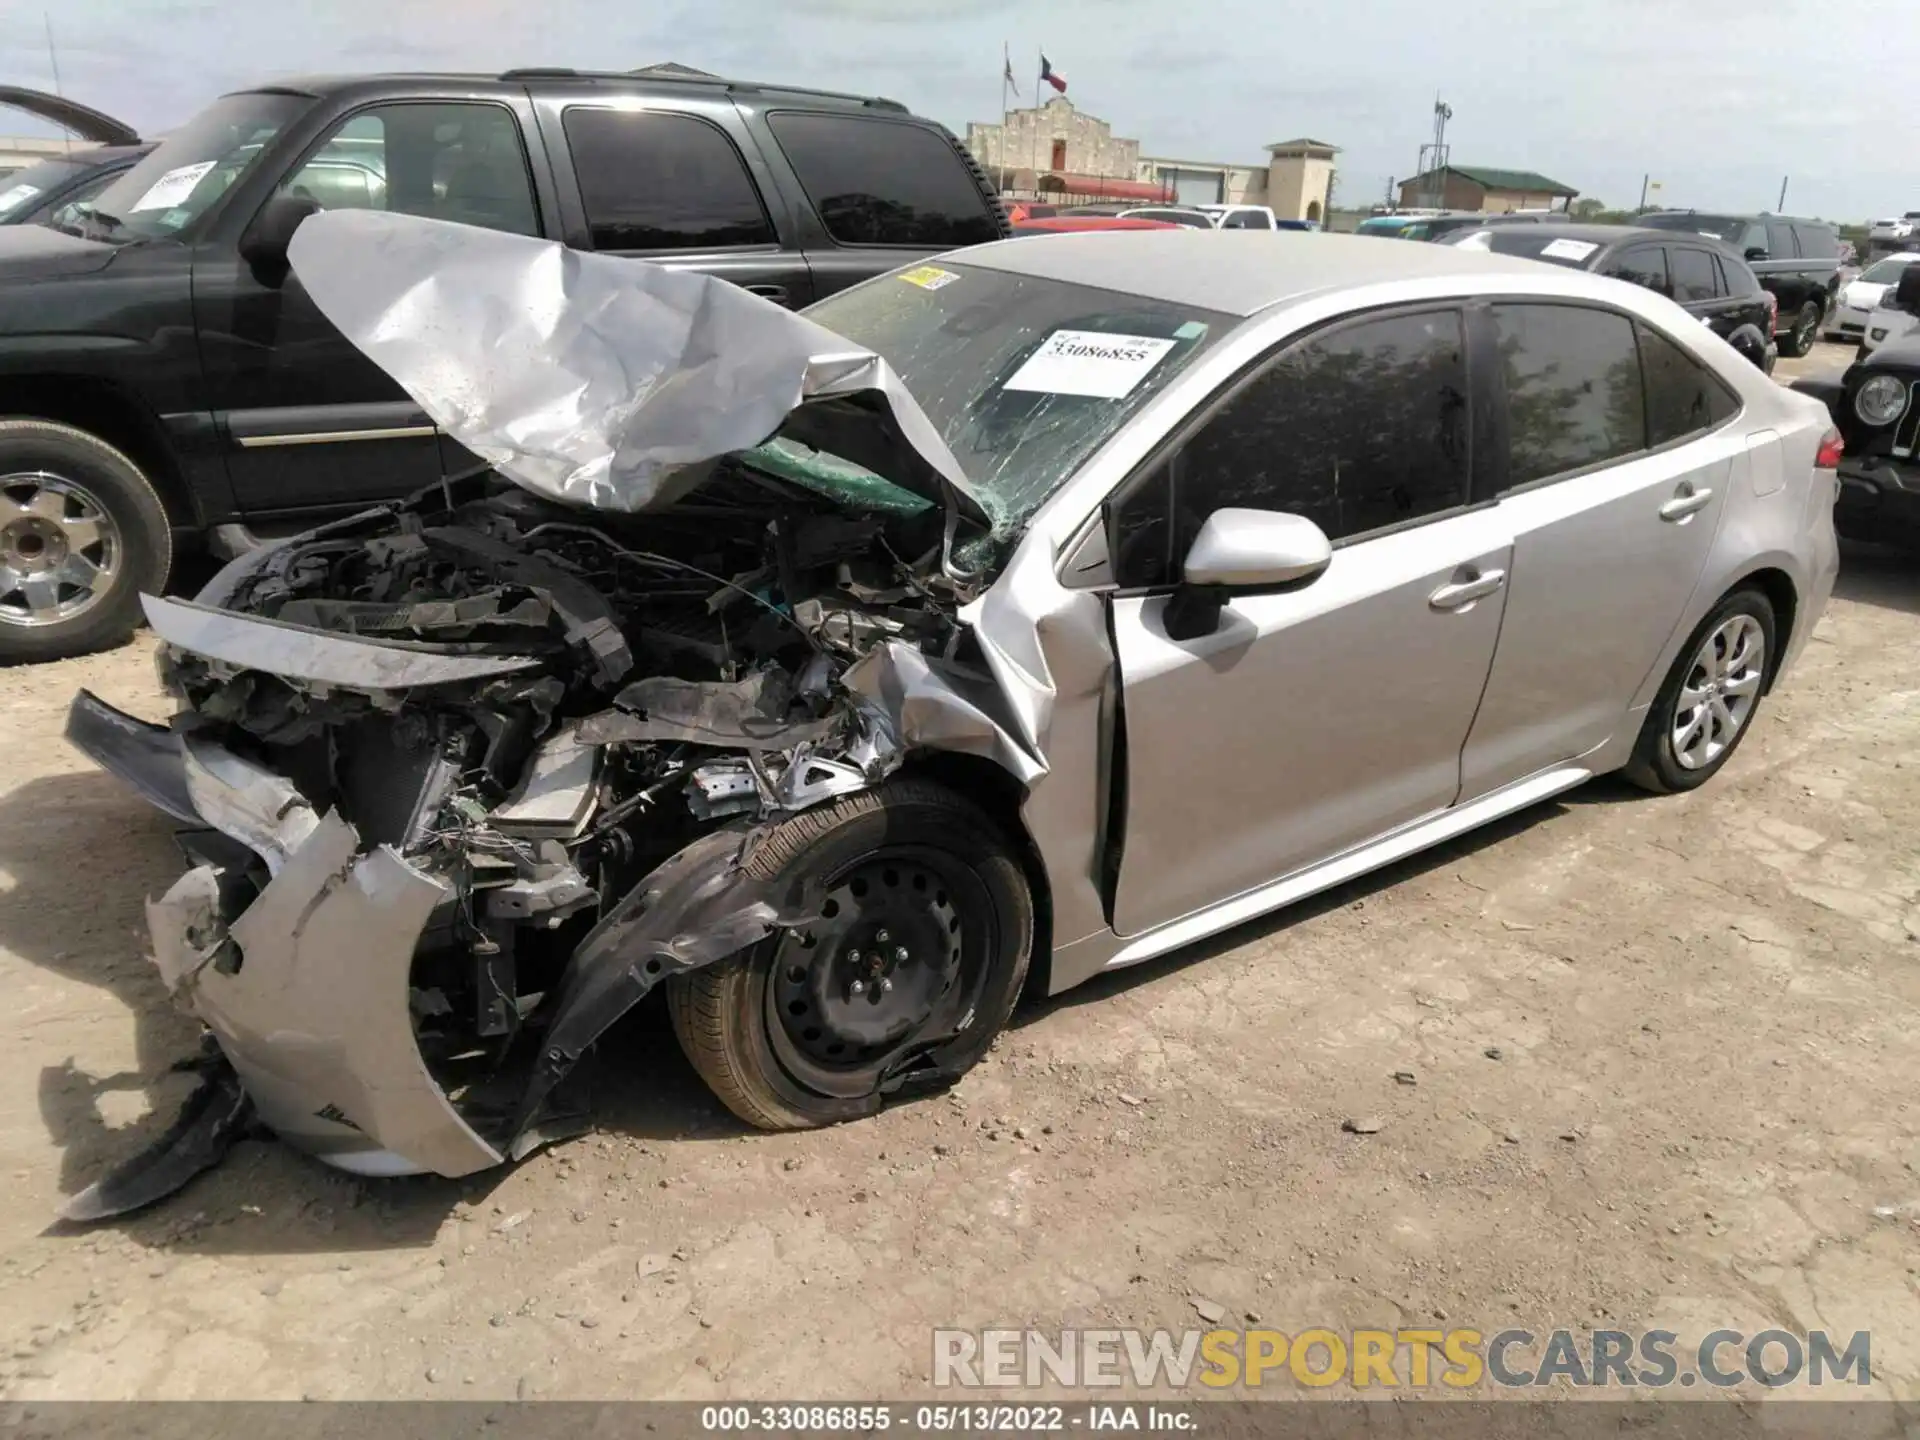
1434	156
1643	192
1781	208
53	59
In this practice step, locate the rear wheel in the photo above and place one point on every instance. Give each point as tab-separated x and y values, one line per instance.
82	533
1707	703
913	964
1805	330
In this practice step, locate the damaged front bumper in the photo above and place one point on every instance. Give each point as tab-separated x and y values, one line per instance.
325	1050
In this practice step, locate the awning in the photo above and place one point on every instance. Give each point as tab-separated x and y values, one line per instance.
1105	187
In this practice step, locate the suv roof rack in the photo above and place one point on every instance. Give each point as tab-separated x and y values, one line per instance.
654	75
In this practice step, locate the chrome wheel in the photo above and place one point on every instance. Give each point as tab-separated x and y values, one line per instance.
1719	693
59	549
1805	332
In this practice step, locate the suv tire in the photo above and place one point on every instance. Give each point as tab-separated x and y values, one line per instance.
1799	338
82	534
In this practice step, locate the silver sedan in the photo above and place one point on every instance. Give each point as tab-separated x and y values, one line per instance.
999	622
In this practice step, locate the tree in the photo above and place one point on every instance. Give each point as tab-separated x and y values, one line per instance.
1586	207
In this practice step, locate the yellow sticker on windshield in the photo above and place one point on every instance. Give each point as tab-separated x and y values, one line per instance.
928	277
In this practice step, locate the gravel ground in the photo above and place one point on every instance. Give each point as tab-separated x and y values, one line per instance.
1662	1074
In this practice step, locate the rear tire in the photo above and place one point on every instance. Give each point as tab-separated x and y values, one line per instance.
1800	337
811	1026
82	534
1707	703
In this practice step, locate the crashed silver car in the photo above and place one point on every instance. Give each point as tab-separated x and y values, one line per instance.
1052	605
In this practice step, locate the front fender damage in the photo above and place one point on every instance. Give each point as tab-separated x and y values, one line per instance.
304	982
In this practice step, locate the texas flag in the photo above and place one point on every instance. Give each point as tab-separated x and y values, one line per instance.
1048	77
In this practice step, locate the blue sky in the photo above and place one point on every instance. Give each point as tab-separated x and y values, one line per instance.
1717	98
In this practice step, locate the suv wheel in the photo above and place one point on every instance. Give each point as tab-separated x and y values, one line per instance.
82	533
1806	329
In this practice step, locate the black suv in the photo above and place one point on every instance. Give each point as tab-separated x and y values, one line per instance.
1798	261
164	378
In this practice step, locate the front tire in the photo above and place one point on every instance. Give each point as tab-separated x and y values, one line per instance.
912	968
1707	703
82	534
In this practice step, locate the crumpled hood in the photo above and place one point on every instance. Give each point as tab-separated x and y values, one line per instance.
35	252
593	379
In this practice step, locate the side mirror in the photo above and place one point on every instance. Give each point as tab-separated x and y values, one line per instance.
264	245
1245	552
1906	290
1755	252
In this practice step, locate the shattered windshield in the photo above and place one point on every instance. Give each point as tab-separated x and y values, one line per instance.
197	164
1023	377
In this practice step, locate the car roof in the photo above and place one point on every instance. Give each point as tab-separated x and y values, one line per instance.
1759	218
1236	272
315	86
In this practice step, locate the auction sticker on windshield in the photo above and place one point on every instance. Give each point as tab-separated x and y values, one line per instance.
1569	249
173	187
1089	362
928	277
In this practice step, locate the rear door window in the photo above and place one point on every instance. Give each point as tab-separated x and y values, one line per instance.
1245	220
1695	278
1574	396
1683	397
884	182
654	180
1780	244
1816	241
1643	265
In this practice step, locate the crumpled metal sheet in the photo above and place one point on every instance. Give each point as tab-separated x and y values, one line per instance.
590	379
939	707
746	714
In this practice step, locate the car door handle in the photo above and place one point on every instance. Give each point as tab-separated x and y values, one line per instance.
1681	506
1464	592
776	293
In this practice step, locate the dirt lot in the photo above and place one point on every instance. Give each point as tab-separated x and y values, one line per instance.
1702	1113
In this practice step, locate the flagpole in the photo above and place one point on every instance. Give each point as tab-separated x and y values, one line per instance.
1006	83
1038	107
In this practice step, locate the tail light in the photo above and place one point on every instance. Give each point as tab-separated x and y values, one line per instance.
1831	448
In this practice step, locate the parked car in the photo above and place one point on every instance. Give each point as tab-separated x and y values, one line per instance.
1187	219
1435	227
466	779
1896	230
164	381
1241	217
1798	261
1703	277
1857	298
1876	406
105	148
1082	224
51	192
1896	316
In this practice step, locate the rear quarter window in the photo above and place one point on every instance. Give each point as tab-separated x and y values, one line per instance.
884	182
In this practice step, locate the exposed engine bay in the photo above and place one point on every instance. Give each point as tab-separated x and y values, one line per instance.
509	755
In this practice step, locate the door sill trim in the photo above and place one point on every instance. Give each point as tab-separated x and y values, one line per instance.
1395	845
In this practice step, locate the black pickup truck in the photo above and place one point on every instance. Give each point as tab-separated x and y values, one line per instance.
165	382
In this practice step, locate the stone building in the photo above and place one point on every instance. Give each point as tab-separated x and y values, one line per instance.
1476	187
1057	148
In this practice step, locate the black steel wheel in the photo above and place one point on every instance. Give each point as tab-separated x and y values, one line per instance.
908	972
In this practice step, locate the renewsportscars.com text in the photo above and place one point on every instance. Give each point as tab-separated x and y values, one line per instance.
1458	1359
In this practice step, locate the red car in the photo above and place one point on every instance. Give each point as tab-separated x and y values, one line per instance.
1066	224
